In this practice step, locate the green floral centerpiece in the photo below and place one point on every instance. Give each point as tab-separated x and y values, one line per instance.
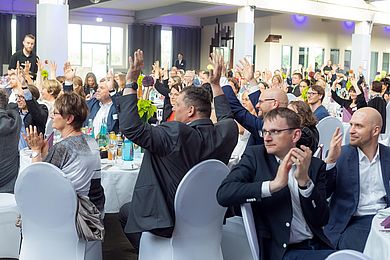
44	74
146	109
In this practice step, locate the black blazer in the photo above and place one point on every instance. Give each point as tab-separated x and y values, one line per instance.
37	115
273	214
171	149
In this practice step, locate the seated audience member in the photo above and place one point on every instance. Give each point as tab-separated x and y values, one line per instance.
361	185
51	88
10	122
102	107
356	98
234	84
294	87
77	155
90	84
310	136
120	78
315	96
78	86
188	78
286	188
171	149
268	100
377	101
303	87
31	113
204	77
14	84
277	82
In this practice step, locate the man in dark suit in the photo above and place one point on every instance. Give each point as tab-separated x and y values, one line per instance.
360	184
171	149
180	63
286	188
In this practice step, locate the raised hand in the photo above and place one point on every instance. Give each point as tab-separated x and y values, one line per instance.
110	80
69	72
135	66
53	69
216	59
281	179
156	70
302	158
246	69
335	146
34	139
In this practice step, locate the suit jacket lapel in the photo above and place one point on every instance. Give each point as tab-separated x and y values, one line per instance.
353	162
385	162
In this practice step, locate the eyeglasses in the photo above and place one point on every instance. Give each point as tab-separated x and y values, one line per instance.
264	100
312	93
275	132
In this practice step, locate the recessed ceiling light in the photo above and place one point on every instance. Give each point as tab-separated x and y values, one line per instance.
99	19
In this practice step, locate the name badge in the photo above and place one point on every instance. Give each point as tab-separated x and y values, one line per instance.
115	116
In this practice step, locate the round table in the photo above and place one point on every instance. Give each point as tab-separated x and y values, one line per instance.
378	241
118	181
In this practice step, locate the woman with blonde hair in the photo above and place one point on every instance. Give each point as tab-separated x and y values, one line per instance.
51	89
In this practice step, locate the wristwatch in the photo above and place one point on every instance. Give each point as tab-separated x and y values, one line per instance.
35	154
132	85
307	185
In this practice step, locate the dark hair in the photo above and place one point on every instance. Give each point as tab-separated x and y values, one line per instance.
60	79
30	36
176	86
292	118
207	87
199	98
3	99
319	90
235	83
298	74
89	75
72	104
376	86
308	83
34	91
230	74
116	86
305	113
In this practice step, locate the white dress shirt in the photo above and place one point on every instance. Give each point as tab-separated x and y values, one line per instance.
100	115
299	230
372	189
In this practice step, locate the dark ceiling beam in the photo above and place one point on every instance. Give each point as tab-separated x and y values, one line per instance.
230	18
75	4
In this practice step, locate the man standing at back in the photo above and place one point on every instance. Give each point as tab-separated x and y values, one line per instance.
25	55
172	149
361	186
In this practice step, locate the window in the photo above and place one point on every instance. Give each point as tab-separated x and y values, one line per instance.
74	47
335	56
94	33
166	47
286	58
347	60
373	65
117	46
316	57
385	62
304	56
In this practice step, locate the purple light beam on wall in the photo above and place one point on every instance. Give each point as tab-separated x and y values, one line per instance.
349	25
299	19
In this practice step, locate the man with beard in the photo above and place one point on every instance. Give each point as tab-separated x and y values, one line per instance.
26	55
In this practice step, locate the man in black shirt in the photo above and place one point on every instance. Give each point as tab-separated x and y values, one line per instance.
24	55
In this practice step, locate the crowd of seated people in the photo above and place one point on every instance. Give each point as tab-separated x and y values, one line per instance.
287	186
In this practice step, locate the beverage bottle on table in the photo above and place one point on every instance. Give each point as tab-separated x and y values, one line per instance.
112	146
127	150
103	138
90	129
119	142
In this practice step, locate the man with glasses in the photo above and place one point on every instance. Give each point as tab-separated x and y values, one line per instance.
315	96
286	188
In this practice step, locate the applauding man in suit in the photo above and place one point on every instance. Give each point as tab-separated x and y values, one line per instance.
286	188
361	186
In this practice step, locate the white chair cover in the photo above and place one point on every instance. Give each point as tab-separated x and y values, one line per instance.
9	233
235	243
385	138
198	228
291	97
249	223
326	128
348	255
48	205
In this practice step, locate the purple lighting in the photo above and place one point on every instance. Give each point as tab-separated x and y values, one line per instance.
387	28
299	19
349	25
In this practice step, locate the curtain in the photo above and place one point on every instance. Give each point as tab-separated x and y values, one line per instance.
5	40
187	41
25	25
148	39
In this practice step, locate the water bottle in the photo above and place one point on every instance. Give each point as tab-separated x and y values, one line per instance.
127	150
103	138
90	129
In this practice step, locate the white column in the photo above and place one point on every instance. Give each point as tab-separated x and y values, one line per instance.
361	54
52	31
244	30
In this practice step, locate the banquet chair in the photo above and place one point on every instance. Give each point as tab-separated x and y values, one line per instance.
250	229
198	218
9	233
348	255
47	203
291	97
326	128
235	243
385	137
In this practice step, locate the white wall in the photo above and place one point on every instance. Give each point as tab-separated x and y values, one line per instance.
316	32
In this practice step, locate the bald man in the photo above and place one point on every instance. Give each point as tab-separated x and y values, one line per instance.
269	99
360	186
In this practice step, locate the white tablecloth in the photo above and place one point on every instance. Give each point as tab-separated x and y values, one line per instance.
118	181
378	242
